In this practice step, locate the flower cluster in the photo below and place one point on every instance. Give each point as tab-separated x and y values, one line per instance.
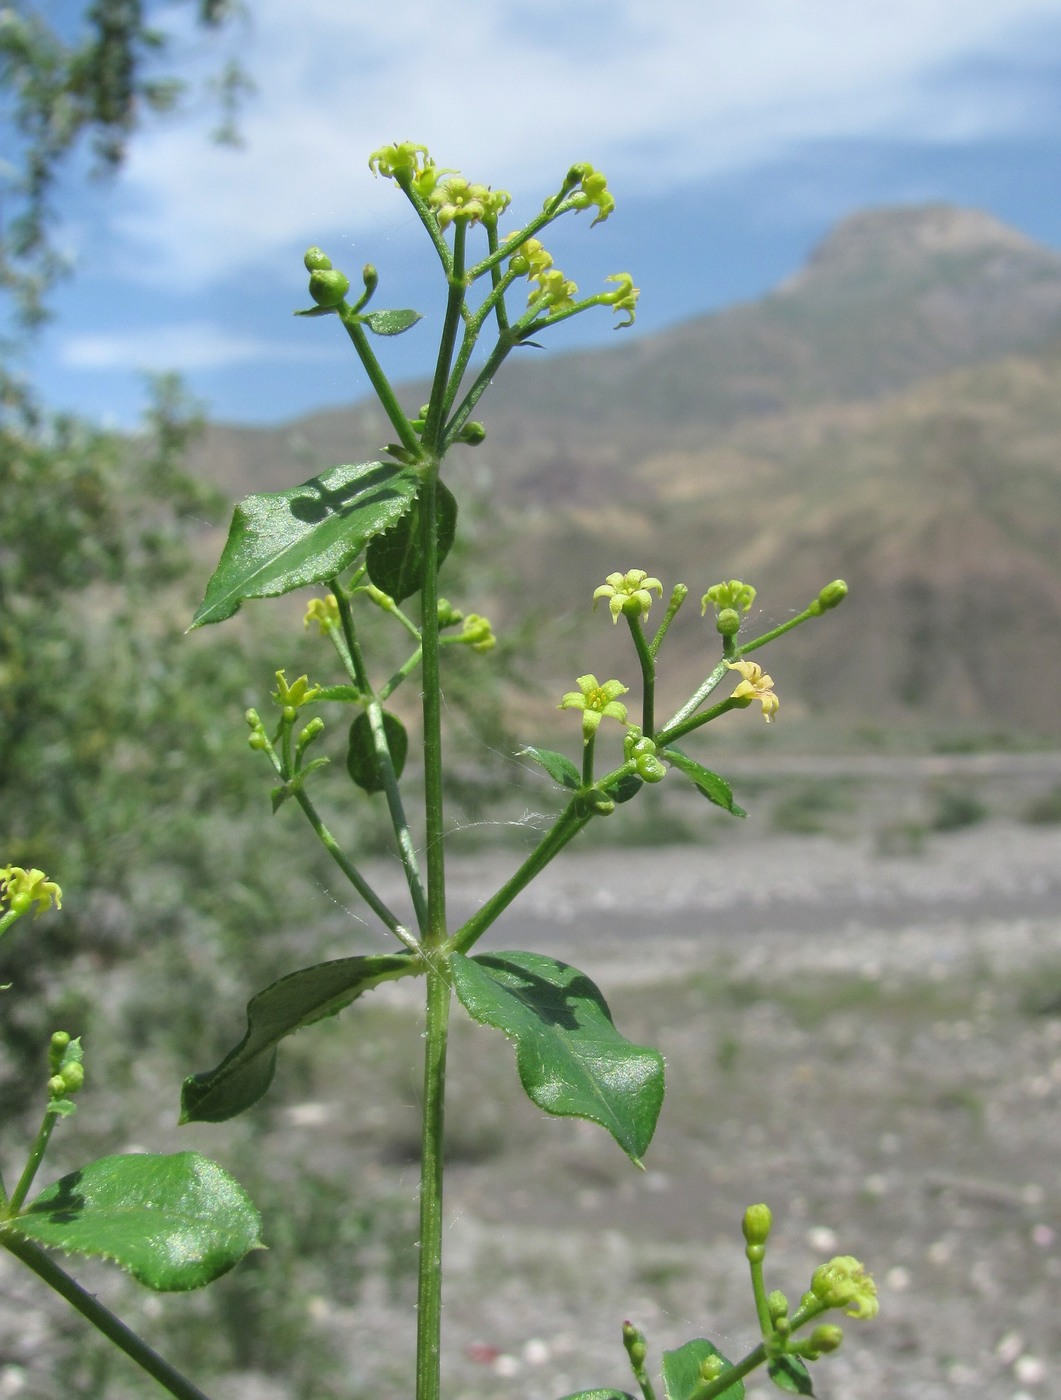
844	1283
457	200
755	686
22	889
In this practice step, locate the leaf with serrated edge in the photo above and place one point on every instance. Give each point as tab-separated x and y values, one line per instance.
174	1222
279	541
572	1061
681	1371
390	322
557	765
295	1001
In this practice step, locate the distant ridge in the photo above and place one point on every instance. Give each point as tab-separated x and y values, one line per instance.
891	414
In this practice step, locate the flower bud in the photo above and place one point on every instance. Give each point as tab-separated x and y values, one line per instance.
316	260
370	277
776	1305
756	1224
650	769
72	1077
826	1338
56	1087
832	595
56	1049
328	286
472	434
711	1368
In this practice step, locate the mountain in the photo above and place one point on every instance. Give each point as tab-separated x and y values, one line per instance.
891	414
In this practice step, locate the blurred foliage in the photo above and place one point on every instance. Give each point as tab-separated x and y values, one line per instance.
77	74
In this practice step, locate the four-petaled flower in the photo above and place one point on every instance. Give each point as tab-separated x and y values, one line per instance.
628	593
844	1283
21	889
596	702
755	686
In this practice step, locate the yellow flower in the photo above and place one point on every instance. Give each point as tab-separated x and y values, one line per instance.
24	888
628	593
844	1283
324	612
624	298
596	702
755	686
292	697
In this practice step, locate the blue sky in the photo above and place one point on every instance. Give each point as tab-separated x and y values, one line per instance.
734	134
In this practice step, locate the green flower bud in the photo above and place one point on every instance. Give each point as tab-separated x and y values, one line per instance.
72	1076
595	802
826	1338
756	1224
727	624
650	769
316	260
370	277
777	1305
56	1049
258	740
472	434
448	615
832	595
711	1368
253	719
328	286
56	1087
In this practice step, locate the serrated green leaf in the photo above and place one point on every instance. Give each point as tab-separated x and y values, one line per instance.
390	322
393	558
713	787
788	1373
295	1001
173	1222
681	1371
571	1059
557	765
283	540
362	762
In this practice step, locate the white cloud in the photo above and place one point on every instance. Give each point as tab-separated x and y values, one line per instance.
651	90
194	345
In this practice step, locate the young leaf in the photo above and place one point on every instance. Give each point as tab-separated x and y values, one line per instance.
559	768
287	539
390	322
173	1222
622	789
294	1001
393	558
600	1395
714	788
681	1371
571	1059
362	762
788	1373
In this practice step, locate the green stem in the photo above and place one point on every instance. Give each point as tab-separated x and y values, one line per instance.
395	807
437	405
432	711
102	1318
389	687
762	1309
494	361
695	701
350	870
813	611
672	731
588	745
646	657
429	1279
678	596
566	827
29	1171
380	383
